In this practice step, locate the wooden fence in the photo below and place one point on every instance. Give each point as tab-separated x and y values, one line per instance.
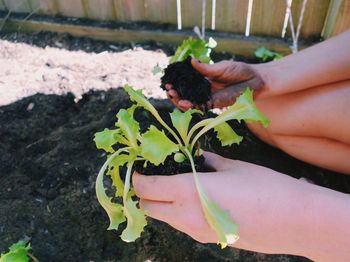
266	17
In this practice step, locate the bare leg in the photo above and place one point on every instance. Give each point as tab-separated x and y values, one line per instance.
312	125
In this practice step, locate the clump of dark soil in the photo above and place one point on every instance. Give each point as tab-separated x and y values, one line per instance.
188	82
170	167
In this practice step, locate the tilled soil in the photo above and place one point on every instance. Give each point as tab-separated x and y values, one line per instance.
48	169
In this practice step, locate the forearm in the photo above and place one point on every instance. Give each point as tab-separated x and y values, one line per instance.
324	63
295	217
328	230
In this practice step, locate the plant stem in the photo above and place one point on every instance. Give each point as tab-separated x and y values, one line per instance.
217	121
127	181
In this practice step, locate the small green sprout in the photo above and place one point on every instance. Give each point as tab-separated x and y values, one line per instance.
18	252
265	54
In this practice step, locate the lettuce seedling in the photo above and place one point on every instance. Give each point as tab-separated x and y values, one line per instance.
154	146
197	48
266	55
194	47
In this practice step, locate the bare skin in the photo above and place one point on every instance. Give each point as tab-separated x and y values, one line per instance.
306	96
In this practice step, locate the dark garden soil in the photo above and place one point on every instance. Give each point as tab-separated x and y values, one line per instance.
48	169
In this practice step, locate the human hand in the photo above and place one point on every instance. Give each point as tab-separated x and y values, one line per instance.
265	204
228	80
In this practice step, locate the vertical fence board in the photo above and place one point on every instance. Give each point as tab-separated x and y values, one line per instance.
2	5
20	6
100	9
46	7
70	8
231	15
267	17
130	10
191	12
343	18
314	17
161	11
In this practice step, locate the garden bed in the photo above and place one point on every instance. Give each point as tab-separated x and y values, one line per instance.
49	165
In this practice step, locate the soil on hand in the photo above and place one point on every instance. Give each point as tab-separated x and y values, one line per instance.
49	165
188	82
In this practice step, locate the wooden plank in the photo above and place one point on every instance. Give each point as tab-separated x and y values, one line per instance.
314	17
267	17
19	6
45	7
161	11
129	10
343	18
235	44
2	5
191	12
231	15
331	18
100	9
70	8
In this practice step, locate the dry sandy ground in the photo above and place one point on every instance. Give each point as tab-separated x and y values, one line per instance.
26	70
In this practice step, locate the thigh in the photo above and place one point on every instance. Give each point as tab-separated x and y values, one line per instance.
303	121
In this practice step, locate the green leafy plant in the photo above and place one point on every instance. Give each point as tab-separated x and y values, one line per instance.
125	145
194	47
18	252
265	54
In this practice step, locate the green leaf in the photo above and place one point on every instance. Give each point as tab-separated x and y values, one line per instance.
196	48
17	252
245	109
136	221
226	134
113	172
141	100
113	210
265	54
107	138
219	219
181	121
129	127
156	146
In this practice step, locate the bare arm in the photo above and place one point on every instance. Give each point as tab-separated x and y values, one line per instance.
324	63
275	213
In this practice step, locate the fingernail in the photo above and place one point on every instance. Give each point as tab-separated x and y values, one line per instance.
168	86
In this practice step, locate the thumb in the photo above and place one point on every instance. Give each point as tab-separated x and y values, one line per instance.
214	161
205	69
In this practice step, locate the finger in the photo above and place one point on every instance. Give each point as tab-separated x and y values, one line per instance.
209	70
168	86
184	105
158	188
173	96
214	161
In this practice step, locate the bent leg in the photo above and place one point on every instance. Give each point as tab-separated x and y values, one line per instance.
312	125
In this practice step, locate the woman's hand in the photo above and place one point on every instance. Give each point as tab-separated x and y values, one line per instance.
275	213
228	80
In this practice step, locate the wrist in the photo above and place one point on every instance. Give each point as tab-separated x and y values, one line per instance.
266	73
